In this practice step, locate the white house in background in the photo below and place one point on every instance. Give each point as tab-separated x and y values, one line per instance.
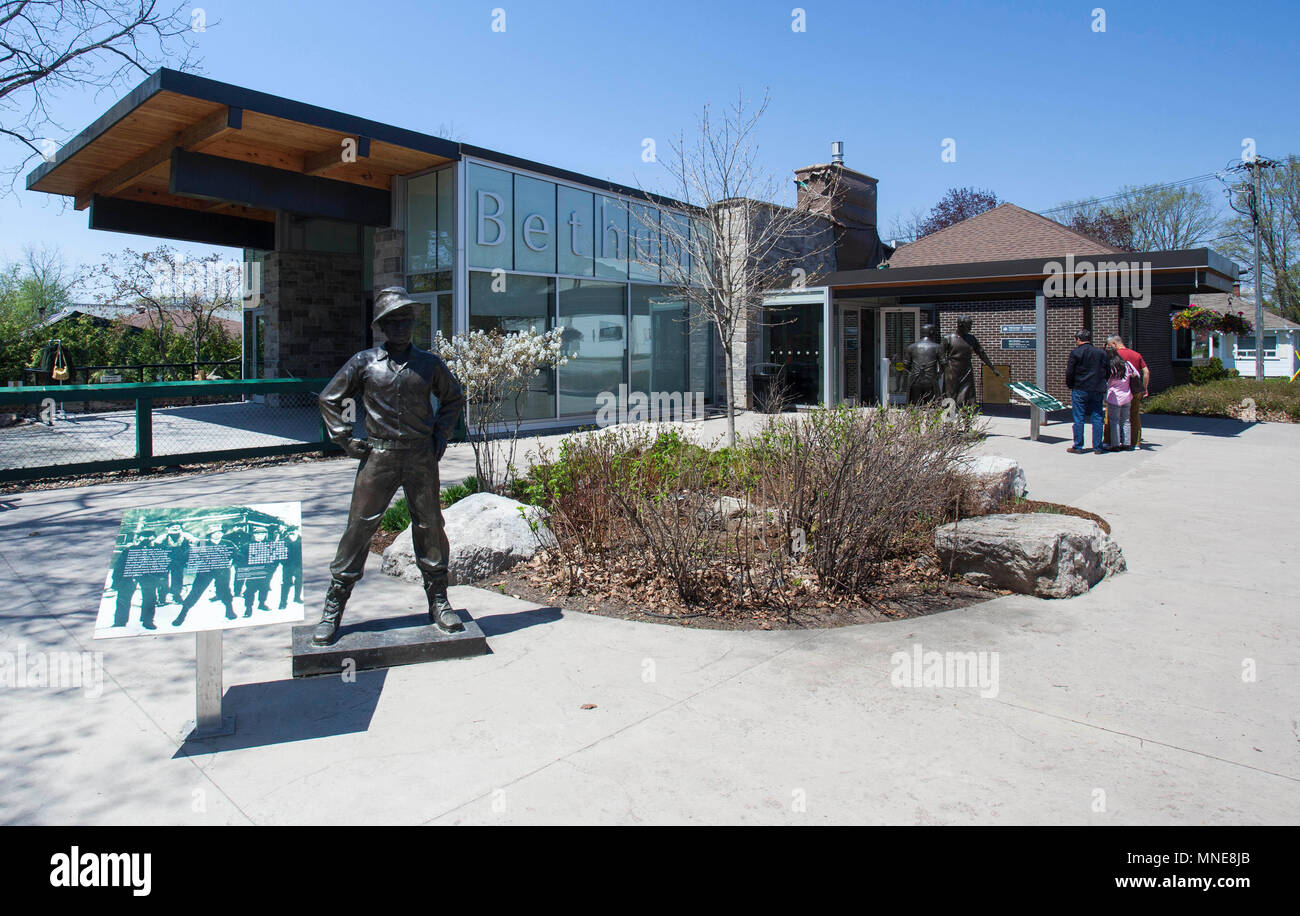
1281	338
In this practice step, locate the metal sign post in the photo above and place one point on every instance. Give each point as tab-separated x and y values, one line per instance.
1040	362
208	720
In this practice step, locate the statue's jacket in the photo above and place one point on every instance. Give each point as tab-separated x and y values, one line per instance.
395	396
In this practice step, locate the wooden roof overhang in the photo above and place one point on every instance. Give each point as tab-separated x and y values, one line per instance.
191	158
1191	270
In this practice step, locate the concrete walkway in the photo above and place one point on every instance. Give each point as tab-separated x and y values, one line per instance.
1126	705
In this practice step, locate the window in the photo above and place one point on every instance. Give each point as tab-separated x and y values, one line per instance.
660	348
491	221
593	315
535	226
432	316
1183	344
429	212
510	303
1245	346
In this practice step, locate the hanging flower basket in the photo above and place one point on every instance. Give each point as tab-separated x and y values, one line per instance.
1199	318
1235	324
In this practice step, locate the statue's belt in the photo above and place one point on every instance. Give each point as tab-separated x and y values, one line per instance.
398	444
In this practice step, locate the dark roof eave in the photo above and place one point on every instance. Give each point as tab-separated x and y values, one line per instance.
992	272
210	90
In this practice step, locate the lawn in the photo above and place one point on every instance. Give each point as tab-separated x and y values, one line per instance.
1275	400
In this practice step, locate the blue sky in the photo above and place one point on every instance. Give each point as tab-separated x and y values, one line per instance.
1042	107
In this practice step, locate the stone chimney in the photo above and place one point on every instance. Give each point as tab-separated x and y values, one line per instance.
848	199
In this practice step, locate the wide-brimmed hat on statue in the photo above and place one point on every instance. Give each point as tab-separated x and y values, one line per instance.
389	300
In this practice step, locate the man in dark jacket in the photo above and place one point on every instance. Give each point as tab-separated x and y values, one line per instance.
392	385
1085	375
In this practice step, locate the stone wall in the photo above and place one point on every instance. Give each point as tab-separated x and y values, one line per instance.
315	312
390	258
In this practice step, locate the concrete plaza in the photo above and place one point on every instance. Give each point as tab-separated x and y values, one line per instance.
1127	705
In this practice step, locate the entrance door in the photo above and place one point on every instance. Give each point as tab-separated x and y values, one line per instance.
899	330
858	349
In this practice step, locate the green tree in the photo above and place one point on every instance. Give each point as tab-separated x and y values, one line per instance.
182	297
32	290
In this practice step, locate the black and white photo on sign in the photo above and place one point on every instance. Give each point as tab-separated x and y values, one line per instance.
187	569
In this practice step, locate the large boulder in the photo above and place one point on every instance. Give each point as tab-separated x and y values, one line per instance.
1043	554
487	534
994	479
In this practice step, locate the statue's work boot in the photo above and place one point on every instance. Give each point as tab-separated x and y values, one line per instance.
336	600
441	614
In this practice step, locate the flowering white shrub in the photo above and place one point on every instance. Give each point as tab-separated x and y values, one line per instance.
495	370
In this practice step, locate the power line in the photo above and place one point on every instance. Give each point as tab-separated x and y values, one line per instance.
1182	182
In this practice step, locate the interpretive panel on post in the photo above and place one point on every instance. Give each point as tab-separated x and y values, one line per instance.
187	569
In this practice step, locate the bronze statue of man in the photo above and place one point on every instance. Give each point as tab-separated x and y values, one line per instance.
404	442
923	363
959	373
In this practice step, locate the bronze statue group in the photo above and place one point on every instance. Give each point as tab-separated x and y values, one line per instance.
232	560
940	369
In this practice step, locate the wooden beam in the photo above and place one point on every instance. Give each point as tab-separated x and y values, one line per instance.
326	159
215	125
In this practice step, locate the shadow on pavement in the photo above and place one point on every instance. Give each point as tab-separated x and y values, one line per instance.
499	624
297	709
1221	427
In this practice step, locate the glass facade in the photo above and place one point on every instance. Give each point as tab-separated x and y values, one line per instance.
430	215
510	303
793	344
593	314
541	254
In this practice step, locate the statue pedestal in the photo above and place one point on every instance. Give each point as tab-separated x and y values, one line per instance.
372	644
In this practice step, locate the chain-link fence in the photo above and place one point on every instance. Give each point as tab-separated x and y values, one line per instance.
61	430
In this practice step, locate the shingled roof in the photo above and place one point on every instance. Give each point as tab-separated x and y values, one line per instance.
1225	303
1005	233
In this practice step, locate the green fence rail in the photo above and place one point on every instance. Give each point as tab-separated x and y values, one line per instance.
153	425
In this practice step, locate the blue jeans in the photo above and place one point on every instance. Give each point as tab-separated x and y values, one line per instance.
1089	405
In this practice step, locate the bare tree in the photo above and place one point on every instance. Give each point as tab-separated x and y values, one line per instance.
51	45
905	229
735	246
1279	231
179	294
1167	219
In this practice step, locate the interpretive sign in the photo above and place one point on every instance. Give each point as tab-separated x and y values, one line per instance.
187	570
1035	396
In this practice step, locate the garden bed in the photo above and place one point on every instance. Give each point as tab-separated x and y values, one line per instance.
820	520
906	589
1275	400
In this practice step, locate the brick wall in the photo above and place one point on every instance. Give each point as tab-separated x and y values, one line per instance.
1155	338
1064	318
315	312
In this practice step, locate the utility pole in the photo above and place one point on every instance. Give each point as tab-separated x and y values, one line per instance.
1259	275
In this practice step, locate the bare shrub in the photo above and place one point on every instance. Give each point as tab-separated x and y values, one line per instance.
814	504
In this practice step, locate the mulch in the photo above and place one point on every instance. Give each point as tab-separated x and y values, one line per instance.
915	588
1024	506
